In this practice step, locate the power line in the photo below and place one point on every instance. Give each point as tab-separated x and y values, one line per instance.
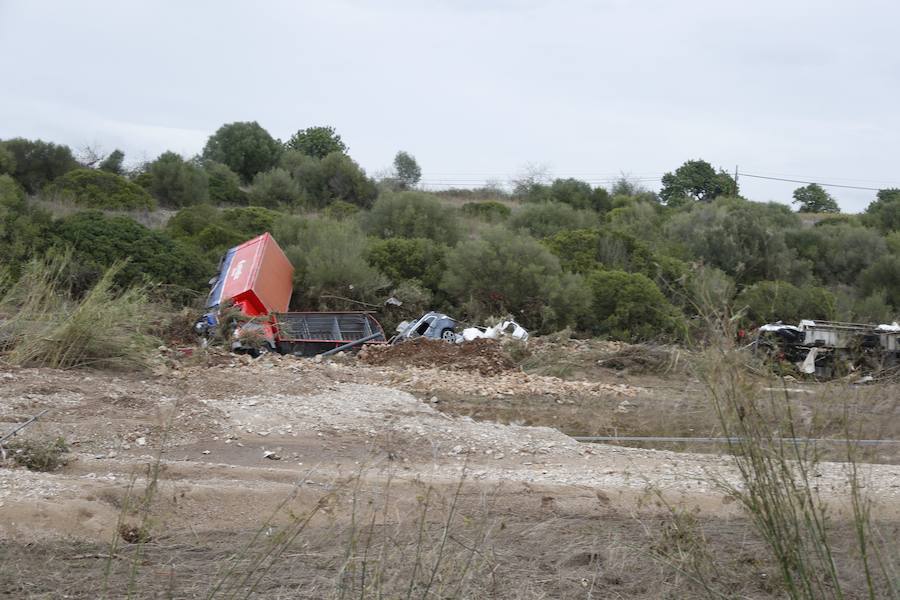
837	185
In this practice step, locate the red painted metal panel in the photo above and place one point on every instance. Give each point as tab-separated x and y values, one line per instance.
259	278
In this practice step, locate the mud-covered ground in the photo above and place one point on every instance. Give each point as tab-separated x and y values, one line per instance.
301	478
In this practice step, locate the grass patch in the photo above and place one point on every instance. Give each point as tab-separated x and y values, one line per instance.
39	454
47	326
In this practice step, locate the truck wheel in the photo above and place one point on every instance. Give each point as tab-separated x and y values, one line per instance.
448	335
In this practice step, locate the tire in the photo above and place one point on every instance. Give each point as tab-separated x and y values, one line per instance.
448	335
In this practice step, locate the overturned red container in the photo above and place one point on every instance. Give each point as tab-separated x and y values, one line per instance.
256	277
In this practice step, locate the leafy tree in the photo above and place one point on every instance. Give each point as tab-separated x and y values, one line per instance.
813	199
402	259
245	147
839	253
696	180
99	189
770	301
744	239
224	184
502	272
99	240
412	215
329	258
547	218
274	189
884	212
335	177
113	163
317	142
24	229
37	163
407	170
250	221
630	307
176	182
7	161
883	276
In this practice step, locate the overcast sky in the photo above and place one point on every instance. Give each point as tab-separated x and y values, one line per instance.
477	89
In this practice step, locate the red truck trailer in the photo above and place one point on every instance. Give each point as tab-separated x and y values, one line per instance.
257	278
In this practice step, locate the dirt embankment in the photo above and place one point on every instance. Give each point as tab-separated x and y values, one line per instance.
235	438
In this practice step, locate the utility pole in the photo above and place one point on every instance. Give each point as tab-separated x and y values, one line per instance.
735	181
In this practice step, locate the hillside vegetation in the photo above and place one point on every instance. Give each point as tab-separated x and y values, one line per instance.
623	263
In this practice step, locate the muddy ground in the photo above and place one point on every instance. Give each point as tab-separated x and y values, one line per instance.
288	478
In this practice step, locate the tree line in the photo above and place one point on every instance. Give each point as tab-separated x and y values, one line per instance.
623	262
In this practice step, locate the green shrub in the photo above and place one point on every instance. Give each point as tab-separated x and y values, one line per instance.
630	307
412	215
505	272
224	184
884	212
7	161
37	163
770	301
883	276
274	189
547	218
99	189
402	259
340	210
489	211
245	147
250	221
176	182
329	258
98	241
332	178
744	239
838	253
24	229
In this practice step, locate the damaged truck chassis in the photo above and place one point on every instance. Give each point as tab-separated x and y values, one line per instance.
830	348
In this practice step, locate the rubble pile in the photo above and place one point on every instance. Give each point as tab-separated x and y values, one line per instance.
484	356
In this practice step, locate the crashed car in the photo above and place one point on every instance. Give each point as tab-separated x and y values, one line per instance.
438	326
431	325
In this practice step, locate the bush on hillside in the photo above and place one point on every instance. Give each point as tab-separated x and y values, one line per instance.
224	184
329	260
36	163
838	253
412	215
176	182
883	276
402	259
99	189
24	228
274	189
490	211
505	272
98	241
771	301
630	307
547	218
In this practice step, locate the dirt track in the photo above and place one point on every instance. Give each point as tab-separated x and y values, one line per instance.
234	440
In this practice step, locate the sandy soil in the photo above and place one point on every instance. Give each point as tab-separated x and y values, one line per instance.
235	441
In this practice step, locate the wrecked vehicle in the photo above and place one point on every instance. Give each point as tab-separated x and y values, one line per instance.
438	326
827	348
432	325
255	279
